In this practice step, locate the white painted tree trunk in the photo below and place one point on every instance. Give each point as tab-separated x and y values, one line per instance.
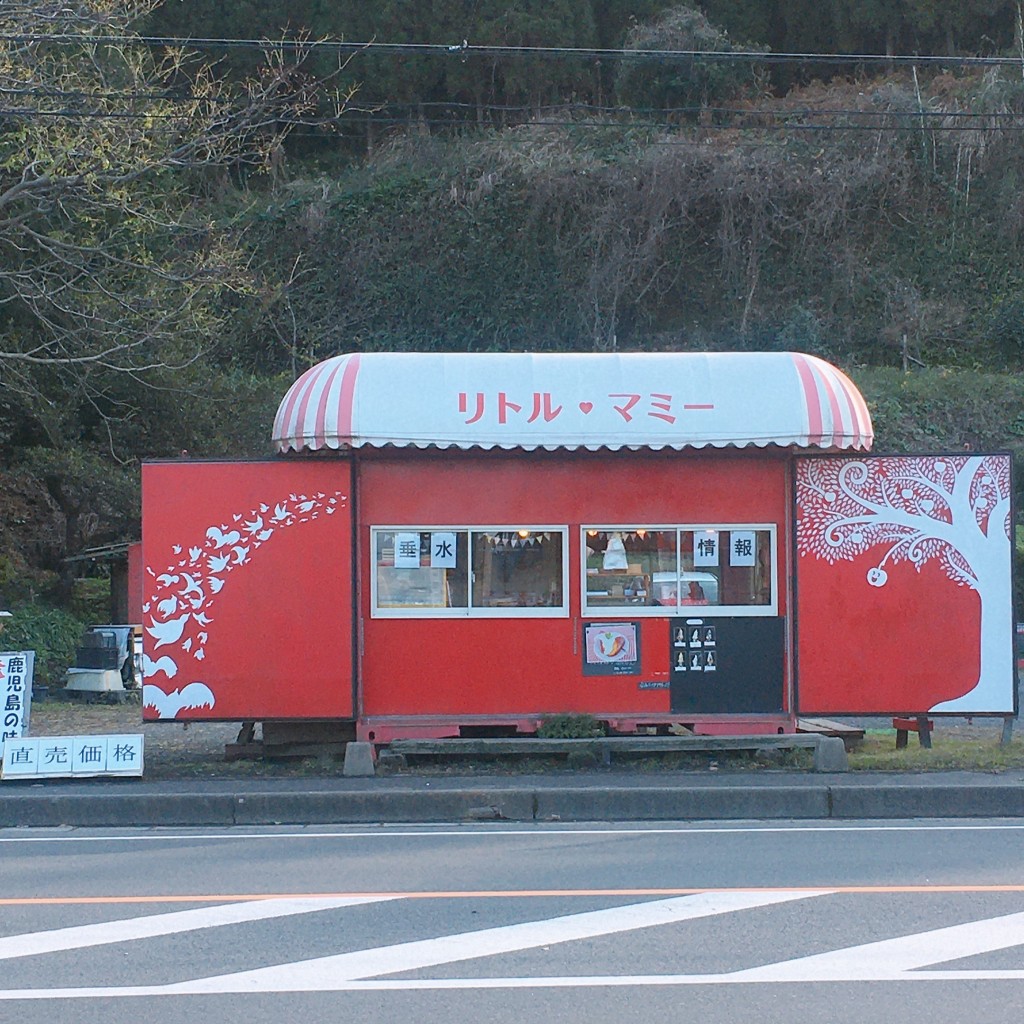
991	561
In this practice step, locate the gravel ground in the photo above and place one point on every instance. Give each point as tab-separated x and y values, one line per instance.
171	749
196	750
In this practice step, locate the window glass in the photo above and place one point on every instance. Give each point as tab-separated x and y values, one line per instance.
517	569
421	569
630	567
674	569
725	567
459	571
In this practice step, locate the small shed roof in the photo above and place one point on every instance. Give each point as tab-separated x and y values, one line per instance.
569	401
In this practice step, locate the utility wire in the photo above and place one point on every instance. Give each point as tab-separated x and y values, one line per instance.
465	50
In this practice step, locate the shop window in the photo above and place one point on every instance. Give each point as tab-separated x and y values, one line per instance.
446	571
421	569
667	570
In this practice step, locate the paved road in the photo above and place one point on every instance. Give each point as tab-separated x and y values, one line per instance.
780	922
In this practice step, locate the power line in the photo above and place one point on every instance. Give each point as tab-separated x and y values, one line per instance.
465	50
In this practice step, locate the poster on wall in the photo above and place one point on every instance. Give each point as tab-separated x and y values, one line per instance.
904	595
611	648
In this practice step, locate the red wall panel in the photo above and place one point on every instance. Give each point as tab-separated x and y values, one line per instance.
247	604
508	666
904	600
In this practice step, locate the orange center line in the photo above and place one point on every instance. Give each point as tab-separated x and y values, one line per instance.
22	901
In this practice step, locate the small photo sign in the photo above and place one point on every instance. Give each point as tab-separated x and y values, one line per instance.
611	648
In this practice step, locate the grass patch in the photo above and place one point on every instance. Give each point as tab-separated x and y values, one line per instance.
878	752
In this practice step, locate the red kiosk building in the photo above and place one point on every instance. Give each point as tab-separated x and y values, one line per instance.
447	544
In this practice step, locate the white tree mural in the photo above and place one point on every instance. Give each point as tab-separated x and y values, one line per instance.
953	509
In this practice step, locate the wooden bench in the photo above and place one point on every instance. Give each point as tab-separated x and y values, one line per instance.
922	725
829	751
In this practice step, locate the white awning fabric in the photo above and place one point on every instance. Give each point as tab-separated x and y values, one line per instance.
569	401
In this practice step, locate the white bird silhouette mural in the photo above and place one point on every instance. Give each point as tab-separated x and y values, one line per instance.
168	632
217	563
167	705
197	588
191	586
221	539
162	664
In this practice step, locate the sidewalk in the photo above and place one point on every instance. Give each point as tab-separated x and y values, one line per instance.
576	797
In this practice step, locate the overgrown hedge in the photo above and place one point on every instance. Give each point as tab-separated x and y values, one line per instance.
53	634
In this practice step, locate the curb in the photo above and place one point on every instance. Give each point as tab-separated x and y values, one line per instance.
191	807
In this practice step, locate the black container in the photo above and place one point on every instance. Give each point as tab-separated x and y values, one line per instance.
96	657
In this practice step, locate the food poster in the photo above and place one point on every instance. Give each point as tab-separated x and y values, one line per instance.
611	648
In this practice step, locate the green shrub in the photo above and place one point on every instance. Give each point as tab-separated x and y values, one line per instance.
569	726
51	633
90	599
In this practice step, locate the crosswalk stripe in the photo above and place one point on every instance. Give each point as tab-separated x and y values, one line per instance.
874	961
323	973
107	932
897	960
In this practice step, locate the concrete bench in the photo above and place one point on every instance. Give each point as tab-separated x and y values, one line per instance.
829	751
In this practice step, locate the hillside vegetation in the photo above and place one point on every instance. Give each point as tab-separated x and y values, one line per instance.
873	217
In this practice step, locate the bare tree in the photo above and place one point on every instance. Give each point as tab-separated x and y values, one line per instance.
107	147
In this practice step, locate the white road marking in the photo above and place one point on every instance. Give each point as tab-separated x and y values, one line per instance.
893	958
325	972
332	973
455	984
107	932
533	832
890	960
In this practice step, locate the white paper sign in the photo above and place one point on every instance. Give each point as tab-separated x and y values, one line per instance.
705	547
407	550
15	693
742	547
47	757
442	551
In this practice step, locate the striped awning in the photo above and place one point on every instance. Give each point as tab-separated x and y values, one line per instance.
553	401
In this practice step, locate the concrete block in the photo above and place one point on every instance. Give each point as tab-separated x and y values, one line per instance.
658	803
922	800
830	755
359	759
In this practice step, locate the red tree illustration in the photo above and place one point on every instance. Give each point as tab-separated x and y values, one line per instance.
955	509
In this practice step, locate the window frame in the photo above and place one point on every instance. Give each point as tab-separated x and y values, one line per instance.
665	611
470	612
